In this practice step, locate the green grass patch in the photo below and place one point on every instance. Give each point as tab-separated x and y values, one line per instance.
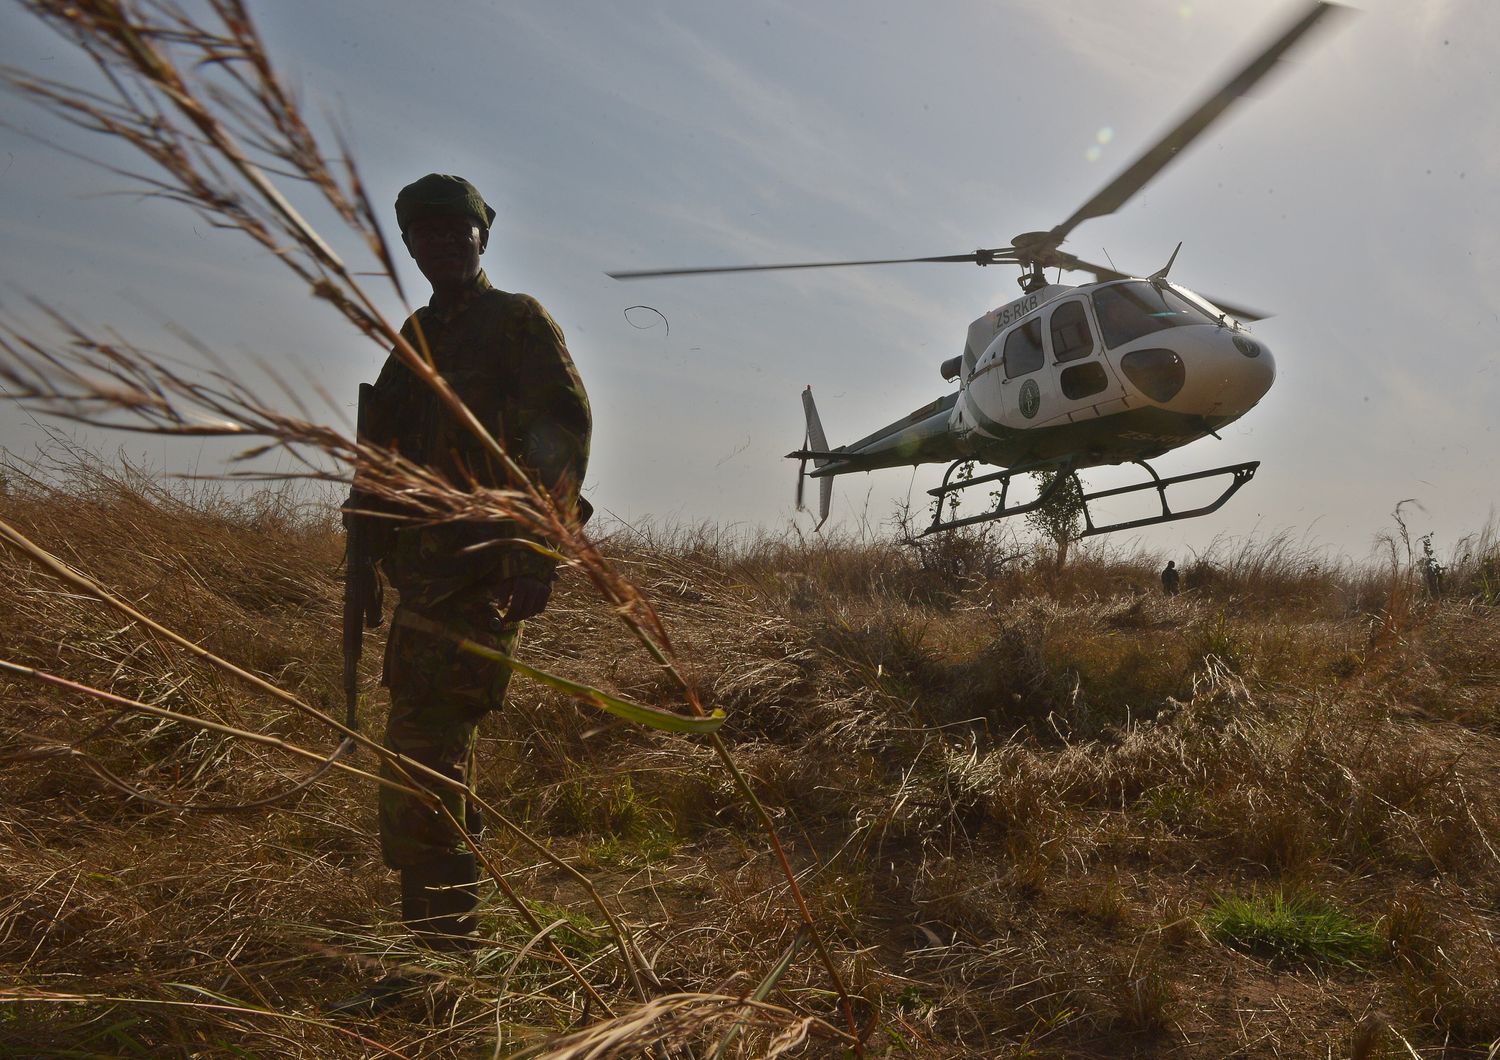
602	805
1171	804
1292	926
644	846
575	934
1222	641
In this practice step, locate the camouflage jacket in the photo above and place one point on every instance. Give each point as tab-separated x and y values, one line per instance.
505	358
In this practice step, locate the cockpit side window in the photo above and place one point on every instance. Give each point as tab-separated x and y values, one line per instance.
1071	337
1023	349
1127	311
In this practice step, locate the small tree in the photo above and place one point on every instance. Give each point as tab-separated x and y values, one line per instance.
1061	518
1431	569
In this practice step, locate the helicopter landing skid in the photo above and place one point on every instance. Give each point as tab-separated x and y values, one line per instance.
1239	475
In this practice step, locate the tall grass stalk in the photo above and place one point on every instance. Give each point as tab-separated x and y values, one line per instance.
198	98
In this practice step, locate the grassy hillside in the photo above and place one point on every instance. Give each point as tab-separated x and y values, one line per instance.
1035	813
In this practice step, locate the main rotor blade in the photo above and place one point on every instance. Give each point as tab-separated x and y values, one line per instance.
1239	312
1154	160
1100	272
1003	255
1070	263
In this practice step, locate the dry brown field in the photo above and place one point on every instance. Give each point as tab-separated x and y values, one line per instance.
1035	813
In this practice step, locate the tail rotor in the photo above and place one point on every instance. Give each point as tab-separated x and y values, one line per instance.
814	442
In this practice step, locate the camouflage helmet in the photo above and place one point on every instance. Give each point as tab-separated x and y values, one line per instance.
440	193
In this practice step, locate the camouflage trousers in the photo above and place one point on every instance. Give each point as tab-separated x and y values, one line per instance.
438	696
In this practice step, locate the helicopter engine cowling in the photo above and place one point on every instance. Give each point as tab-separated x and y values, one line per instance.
951	368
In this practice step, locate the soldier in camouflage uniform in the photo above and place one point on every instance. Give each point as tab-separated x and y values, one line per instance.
505	358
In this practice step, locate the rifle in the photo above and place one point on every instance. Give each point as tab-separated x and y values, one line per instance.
362	594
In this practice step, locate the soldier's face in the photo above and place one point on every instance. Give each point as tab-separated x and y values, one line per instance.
446	248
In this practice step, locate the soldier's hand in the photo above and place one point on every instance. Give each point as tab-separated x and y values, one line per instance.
521	597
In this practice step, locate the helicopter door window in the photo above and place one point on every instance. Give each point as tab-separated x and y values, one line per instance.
1129	310
1071	337
1023	349
1083	380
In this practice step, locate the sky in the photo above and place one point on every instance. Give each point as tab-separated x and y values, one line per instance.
1352	197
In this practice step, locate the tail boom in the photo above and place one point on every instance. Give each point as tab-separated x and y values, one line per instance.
923	436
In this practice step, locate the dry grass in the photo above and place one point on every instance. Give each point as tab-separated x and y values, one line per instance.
1009	793
1013	804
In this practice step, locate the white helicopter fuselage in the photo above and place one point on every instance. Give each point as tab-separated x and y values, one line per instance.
1101	373
1135	366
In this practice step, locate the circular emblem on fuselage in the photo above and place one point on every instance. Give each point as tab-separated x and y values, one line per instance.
1031	398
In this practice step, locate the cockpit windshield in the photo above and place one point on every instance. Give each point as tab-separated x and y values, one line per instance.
1127	311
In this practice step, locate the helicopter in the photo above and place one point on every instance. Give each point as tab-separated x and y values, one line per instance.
1067	377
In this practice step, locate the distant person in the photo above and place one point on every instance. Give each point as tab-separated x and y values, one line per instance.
505	358
1169	578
